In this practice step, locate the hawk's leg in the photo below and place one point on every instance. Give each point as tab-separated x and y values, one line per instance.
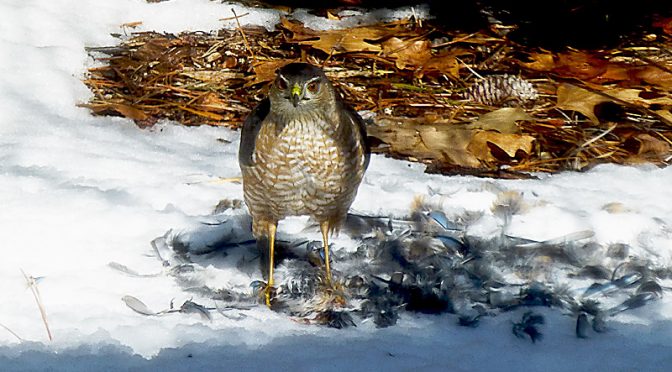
334	296
324	226
271	228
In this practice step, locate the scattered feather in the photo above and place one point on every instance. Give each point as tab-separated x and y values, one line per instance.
130	272
529	327
635	301
592	272
440	218
582	326
190	307
137	306
650	286
562	240
335	319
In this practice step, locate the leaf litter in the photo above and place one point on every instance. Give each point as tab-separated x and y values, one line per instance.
461	103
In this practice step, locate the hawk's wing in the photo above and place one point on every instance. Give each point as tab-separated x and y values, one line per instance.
248	135
353	117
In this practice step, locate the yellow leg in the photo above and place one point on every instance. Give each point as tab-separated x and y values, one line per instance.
271	228
324	226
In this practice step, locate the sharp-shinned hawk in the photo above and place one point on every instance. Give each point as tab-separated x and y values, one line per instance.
302	151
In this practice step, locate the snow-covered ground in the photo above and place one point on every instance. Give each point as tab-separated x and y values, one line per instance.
78	192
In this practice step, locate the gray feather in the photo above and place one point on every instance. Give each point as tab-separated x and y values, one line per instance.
248	135
350	114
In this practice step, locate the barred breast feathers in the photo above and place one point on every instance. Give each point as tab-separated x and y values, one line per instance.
311	165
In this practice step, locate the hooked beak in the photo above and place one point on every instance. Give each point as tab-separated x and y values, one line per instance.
295	95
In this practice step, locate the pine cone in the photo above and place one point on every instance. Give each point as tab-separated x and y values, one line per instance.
502	90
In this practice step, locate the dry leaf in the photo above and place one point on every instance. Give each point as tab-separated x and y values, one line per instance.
571	97
589	67
665	114
577	64
665	24
509	143
333	16
406	52
646	145
393	133
342	42
539	62
125	110
445	63
580	65
629	76
613	72
502	120
451	142
442	142
266	71
655	76
338	41
637	97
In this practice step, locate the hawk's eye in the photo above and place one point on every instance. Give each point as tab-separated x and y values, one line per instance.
313	86
282	84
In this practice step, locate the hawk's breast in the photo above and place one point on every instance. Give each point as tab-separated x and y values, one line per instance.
303	169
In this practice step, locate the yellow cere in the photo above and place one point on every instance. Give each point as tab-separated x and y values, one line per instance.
296	90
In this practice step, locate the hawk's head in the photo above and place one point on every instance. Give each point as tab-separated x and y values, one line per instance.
301	87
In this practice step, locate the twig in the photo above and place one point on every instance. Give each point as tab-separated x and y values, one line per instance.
234	17
663	137
652	62
565	115
492	55
324	63
456	40
36	293
469	68
416	18
12	332
540	162
242	33
598	137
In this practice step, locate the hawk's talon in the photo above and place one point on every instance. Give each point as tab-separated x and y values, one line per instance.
269	292
264	291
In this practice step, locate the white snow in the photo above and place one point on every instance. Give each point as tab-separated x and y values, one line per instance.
78	192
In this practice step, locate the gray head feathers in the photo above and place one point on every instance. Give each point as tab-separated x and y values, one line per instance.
300	88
